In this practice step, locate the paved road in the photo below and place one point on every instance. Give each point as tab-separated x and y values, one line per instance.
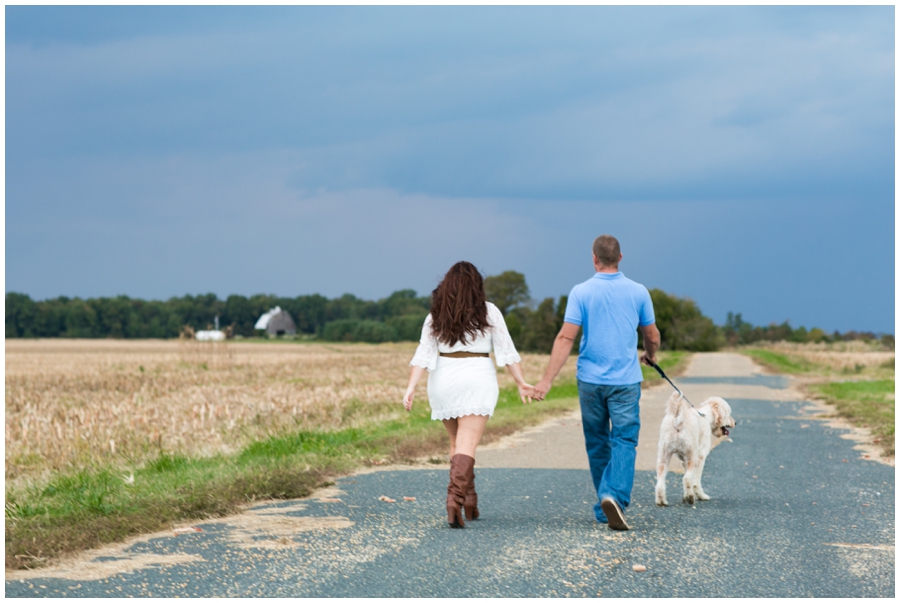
796	512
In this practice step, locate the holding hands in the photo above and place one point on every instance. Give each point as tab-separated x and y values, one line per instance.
526	391
540	390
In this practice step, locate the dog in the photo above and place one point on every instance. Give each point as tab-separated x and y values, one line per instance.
687	434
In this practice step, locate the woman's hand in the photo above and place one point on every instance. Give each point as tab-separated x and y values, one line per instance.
408	399
414	375
526	392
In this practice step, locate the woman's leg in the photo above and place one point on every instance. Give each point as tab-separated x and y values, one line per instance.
452	427
465	434
468	434
455	490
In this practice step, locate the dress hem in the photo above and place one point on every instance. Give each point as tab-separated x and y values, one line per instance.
457	414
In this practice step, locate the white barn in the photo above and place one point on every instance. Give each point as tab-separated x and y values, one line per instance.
276	322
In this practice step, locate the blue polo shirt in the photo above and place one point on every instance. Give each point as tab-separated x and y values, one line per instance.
609	307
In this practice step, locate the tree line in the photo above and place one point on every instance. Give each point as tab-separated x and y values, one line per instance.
736	331
128	318
532	324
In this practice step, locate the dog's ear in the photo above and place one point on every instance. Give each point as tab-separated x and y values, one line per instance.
727	418
716	412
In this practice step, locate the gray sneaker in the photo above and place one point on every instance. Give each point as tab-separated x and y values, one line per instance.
613	514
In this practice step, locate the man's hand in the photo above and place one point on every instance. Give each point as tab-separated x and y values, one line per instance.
648	359
541	389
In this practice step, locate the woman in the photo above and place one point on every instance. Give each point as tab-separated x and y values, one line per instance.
457	337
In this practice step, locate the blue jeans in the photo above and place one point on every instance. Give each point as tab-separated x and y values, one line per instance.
611	451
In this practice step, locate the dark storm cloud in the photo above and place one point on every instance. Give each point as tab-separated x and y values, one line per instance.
192	142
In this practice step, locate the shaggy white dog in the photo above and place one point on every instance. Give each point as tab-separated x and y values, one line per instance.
687	434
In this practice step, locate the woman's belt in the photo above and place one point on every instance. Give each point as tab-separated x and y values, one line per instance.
465	354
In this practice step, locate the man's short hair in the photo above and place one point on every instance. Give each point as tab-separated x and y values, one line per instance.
606	250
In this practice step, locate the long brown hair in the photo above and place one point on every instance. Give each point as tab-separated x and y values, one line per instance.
458	305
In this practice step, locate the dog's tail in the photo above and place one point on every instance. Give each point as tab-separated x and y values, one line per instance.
674	408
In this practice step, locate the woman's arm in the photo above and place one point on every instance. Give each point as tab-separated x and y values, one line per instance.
505	352
424	359
414	375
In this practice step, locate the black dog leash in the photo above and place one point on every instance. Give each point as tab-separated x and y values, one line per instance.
663	375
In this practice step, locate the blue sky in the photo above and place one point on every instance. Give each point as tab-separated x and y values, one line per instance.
744	156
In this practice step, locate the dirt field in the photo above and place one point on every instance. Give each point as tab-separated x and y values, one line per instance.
74	402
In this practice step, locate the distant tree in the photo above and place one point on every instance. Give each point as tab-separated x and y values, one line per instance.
351	329
407	327
816	335
507	290
81	320
309	311
739	332
20	315
536	330
338	330
798	335
49	318
735	329
681	324
346	307
541	328
403	303
514	324
373	331
241	315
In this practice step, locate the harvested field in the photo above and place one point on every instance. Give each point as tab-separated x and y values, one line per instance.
73	403
846	357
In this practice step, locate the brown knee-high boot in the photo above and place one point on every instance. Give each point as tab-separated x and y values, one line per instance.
460	465
471	503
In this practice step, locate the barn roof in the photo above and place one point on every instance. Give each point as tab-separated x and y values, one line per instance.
263	321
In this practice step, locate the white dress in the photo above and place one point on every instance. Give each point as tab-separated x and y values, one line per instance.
465	386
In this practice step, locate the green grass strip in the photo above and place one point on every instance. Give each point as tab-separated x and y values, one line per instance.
780	362
866	403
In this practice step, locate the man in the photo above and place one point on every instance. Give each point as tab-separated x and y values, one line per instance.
610	308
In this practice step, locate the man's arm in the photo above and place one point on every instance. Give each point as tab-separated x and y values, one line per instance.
651	343
562	347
